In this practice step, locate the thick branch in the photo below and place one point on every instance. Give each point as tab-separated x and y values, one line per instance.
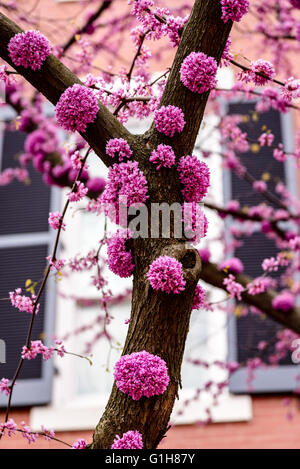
204	32
263	301
52	80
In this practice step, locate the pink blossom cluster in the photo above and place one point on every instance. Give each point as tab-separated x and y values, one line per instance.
194	176
163	156
4	386
291	89
199	297
80	263
22	302
126	184
76	161
198	72
56	264
141	374
38	348
233	265
9	174
270	265
55	220
260	186
266	139
294	243
10	426
119	258
262	67
260	285
165	274
295	3
195	222
227	56
234	288
204	254
279	153
79	444
29	49
168	120
79	192
118	147
234	10
77	107
129	440
284	301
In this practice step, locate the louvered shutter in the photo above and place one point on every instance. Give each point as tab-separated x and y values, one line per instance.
25	241
246	332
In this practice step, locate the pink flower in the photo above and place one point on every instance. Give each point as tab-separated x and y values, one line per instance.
294	243
168	120
279	154
163	156
263	67
227	55
22	302
48	434
118	147
55	219
119	258
266	140
165	274
141	374
195	222
77	107
37	348
260	186
199	297
79	444
10	426
233	265
270	265
57	264
29	49
284	301
234	288
81	191
295	3
198	72
129	440
126	185
234	10
194	175
4	386
204	254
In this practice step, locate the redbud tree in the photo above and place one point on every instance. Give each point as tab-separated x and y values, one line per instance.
160	166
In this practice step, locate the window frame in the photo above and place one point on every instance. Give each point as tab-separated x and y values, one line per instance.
34	391
270	379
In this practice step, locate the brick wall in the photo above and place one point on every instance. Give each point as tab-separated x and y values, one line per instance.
272	427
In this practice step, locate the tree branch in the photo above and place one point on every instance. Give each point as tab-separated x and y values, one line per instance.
263	301
205	32
52	80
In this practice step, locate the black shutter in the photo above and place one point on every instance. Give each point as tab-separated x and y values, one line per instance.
246	332
25	241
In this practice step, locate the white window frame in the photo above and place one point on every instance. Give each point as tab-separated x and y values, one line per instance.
39	390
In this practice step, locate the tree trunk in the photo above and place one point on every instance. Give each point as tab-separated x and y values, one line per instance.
160	322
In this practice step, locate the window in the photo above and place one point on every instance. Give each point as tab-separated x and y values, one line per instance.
246	332
25	241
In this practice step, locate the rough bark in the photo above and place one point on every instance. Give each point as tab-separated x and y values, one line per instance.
159	322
